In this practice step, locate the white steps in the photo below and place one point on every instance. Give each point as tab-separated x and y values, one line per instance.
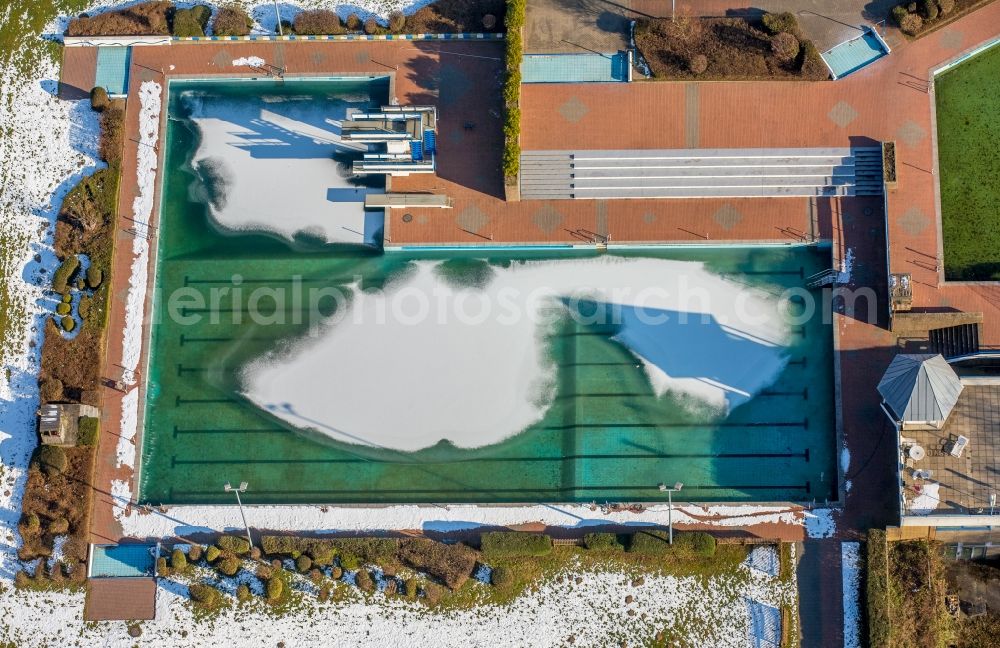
701	173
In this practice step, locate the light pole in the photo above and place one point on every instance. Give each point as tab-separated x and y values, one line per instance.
670	506
242	489
277	14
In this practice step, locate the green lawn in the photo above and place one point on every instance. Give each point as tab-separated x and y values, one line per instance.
968	123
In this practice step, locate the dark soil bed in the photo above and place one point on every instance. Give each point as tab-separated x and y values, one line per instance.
721	49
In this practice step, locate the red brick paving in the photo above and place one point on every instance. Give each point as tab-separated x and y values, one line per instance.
880	105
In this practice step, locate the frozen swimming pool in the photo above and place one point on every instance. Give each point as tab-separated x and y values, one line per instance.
539	376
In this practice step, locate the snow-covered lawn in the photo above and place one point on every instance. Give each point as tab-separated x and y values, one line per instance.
707	611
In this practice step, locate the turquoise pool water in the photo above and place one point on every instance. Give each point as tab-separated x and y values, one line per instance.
850	56
574	68
122	560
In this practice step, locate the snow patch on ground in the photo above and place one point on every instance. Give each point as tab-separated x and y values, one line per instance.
125	449
845	459
850	571
696	333
251	61
764	558
820	523
846	267
185	520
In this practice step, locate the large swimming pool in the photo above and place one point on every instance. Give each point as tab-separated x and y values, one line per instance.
633	369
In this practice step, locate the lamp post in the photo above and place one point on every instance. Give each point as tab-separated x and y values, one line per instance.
670	506
242	489
277	14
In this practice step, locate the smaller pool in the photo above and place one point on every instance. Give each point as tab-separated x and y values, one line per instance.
122	560
575	68
850	56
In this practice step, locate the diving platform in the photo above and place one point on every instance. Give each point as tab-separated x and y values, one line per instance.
407	133
407	200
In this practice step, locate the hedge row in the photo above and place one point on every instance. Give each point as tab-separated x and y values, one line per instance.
657	543
877	590
508	544
452	564
161	18
511	163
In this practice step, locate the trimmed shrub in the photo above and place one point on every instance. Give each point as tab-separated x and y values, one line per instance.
322	552
433	593
62	308
87	430
51	459
94	277
350	562
410	588
31	524
212	553
161	567
812	66
899	13
229	565
397	21
364	581
946	6
68	323
191	21
336	572
781	22
194	553
65	271
698	64
243	593
232	20
67	298
602	541
911	24
264	572
506	544
502	577
51	389
59	526
317	22
112	135
511	158
315	576
353	23
274	589
234	544
303	564
144	19
657	542
178	561
380	551
929	9
99	99
371	26
785	47
204	595
451	564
